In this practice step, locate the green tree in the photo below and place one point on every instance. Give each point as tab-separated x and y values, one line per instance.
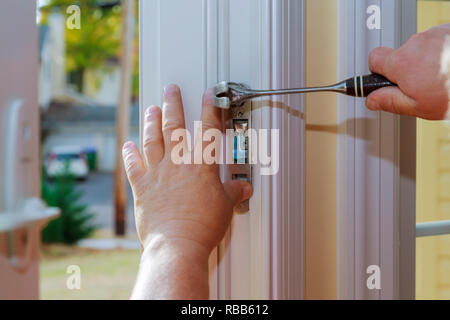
74	222
98	39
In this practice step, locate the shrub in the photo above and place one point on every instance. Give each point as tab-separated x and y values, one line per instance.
73	224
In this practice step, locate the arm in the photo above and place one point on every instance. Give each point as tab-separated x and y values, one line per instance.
182	211
172	270
421	68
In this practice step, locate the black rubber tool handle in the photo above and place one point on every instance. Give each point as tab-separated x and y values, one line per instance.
362	86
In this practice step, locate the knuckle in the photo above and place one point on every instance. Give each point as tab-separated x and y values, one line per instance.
397	58
208	124
372	58
133	172
375	53
393	104
377	59
386	104
390	104
172	124
419	36
131	166
403	57
151	141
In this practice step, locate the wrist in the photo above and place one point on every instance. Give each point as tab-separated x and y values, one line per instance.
157	245
172	268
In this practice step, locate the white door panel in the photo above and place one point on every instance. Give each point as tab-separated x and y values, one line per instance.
19	151
196	44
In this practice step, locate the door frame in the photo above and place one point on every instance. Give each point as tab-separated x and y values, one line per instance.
376	165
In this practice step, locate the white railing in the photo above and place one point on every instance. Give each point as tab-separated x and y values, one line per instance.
434	228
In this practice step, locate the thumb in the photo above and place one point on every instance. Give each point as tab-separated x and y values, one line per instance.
238	191
391	99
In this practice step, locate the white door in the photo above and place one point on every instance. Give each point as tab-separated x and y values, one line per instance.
198	43
22	214
277	249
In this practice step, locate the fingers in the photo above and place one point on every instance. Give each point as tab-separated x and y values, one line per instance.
211	116
391	99
133	163
172	116
238	191
153	140
211	120
378	61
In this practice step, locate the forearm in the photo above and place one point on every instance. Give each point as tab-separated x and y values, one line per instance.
177	224
175	269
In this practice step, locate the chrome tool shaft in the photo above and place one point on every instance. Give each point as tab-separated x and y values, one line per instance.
232	94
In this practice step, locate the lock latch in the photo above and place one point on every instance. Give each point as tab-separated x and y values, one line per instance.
240	121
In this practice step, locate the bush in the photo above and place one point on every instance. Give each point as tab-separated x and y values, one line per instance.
73	224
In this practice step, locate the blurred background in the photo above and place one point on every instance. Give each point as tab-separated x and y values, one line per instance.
80	77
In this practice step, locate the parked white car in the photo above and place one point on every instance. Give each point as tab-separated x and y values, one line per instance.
70	158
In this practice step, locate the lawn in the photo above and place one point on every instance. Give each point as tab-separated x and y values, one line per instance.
106	274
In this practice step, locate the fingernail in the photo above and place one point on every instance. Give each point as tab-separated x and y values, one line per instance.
208	94
128	145
207	97
247	191
372	104
151	111
170	90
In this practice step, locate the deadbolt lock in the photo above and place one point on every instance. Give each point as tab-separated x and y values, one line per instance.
240	121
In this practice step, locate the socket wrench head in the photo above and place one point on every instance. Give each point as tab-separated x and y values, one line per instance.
231	94
221	95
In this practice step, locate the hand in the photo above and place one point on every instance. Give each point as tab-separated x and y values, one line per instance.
417	68
183	209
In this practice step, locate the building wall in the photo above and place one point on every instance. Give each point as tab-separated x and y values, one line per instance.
103	86
321	149
433	183
52	73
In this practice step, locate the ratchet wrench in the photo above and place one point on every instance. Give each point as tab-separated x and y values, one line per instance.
232	94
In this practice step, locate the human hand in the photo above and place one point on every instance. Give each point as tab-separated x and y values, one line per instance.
184	205
417	68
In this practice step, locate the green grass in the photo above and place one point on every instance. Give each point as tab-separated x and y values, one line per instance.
108	274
